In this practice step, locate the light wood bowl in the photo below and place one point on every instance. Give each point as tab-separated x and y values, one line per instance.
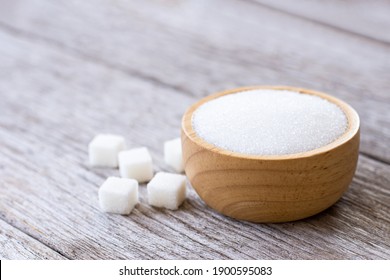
276	188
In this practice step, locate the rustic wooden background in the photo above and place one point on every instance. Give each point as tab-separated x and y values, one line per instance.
71	69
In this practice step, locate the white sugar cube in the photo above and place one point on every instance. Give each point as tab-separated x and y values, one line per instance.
104	148
173	154
118	195
136	164
167	190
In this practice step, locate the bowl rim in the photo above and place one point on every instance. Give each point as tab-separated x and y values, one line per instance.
352	129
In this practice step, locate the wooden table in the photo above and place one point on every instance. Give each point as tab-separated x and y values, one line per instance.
73	69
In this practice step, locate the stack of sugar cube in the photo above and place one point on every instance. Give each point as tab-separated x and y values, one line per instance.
120	195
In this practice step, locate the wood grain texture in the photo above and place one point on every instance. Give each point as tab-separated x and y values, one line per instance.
187	46
274	188
72	69
363	18
16	245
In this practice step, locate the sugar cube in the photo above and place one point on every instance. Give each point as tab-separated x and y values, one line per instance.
136	164
173	154
118	195
167	190
104	148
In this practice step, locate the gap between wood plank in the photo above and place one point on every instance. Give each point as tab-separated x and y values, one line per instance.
124	76
63	255
21	33
318	22
32	237
373	158
131	72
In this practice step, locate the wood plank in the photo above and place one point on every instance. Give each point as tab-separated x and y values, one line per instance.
363	18
53	103
188	46
14	244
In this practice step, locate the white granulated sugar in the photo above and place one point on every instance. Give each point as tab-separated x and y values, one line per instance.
269	122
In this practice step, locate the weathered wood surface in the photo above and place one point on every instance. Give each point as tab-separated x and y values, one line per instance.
198	47
72	69
360	17
16	244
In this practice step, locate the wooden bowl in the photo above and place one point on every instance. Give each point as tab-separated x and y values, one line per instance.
276	188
